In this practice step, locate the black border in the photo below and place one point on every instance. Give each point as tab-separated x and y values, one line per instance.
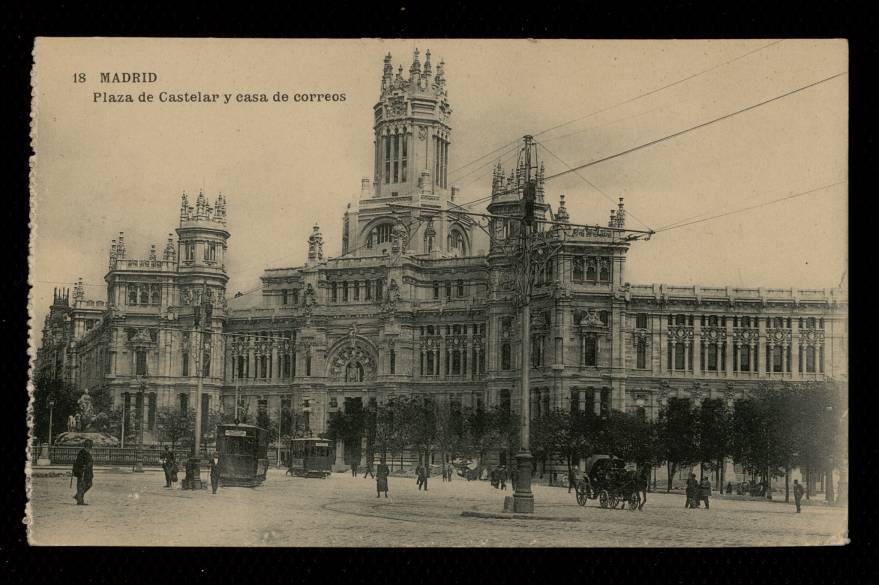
596	20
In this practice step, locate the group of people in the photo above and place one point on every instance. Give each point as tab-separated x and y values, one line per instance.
499	477
83	470
698	492
422	472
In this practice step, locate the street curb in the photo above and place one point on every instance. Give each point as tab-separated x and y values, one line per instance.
500	516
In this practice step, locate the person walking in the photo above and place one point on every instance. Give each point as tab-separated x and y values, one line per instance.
83	471
369	470
705	491
425	475
381	478
692	492
169	465
215	472
798	494
502	476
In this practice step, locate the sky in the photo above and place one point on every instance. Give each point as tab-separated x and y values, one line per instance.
101	168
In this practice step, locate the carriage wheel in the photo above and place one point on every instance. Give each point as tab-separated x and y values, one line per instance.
603	499
634	501
613	501
582	494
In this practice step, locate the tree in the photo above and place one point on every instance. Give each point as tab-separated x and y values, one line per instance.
347	428
65	398
477	433
449	430
712	434
676	436
176	427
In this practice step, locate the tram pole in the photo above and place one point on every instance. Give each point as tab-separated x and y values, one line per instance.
523	498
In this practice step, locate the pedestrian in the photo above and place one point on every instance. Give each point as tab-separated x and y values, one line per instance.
705	491
450	471
514	478
354	469
369	470
798	494
503	478
425	475
692	492
215	472
729	487
169	465
83	471
418	474
381	478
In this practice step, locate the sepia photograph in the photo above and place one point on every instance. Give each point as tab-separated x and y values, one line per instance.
438	293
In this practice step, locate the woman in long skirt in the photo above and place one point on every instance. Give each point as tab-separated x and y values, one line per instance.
381	479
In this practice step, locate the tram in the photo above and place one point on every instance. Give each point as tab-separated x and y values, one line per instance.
311	457
243	451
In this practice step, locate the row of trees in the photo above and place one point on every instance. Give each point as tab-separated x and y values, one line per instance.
777	428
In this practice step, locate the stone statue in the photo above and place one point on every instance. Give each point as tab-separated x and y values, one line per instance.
86	410
71	423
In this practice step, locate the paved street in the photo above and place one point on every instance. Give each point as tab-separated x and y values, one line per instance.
135	509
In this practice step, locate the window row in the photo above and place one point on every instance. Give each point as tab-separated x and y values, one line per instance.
290	297
346	291
737	321
584	400
144	294
461	329
396	157
188	251
454	362
591	269
446	289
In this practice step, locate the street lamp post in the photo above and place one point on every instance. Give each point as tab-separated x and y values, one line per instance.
51	412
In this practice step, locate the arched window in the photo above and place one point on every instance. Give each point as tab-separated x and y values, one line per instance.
590	350
144	295
590	270
456	243
383	233
604	274
428	244
155	295
132	294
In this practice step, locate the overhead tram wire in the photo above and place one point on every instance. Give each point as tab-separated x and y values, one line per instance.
749	208
593	185
696	127
658	89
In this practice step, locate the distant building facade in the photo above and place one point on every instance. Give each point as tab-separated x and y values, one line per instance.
413	306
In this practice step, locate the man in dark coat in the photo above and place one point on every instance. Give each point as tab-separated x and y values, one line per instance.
82	470
692	492
169	464
368	470
215	472
502	477
381	478
798	494
705	491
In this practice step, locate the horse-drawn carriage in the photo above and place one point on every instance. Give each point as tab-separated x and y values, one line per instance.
607	480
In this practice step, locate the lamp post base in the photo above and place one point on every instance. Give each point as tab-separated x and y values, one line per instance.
523	499
192	481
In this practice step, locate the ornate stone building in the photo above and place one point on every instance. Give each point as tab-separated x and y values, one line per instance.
413	306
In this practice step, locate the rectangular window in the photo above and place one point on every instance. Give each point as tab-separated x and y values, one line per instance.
334	292
777	359
308	365
456	362
668	354
605	402
712	357
590	351
392	358
284	297
288	360
367	291
141	365
185	369
641	321
387	141
345	292
578	269
506	357
679	356
184	404
242	372
206	364
436	289
460	288
821	358
296	297
356	286
396	157
641	359
448	289
404	161
286	417
810	360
